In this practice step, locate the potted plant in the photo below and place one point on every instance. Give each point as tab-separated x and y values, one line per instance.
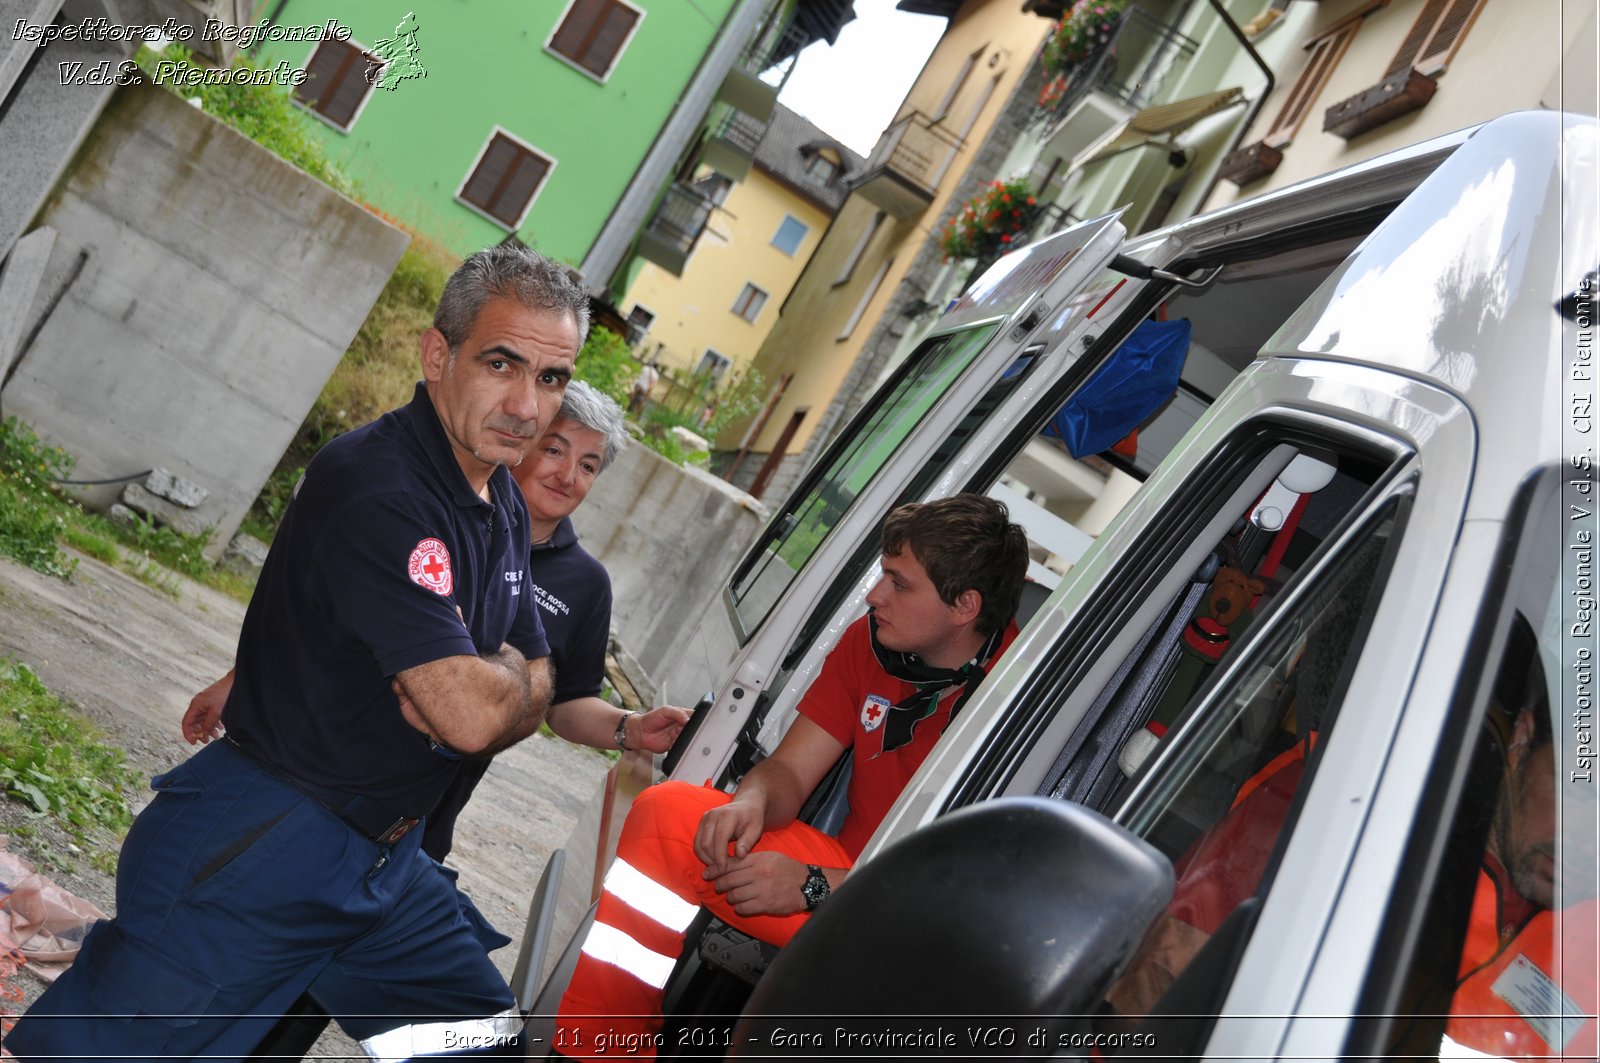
988	225
1082	32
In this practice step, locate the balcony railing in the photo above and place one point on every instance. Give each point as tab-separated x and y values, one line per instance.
1142	54
675	227
731	146
911	158
759	74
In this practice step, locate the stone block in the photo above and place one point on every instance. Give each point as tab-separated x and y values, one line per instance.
245	554
181	520
185	493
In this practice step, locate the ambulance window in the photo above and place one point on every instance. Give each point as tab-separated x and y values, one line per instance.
1503	946
829	490
1220	802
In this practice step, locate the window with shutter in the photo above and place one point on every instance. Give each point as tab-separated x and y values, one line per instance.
505	180
1326	49
750	302
1412	77
1432	40
336	83
593	33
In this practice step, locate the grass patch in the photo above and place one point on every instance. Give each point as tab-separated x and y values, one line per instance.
58	763
88	541
264	113
36	517
32	518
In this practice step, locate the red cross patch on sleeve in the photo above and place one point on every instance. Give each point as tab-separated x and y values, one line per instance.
430	566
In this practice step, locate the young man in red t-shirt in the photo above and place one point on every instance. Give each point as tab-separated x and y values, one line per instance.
940	616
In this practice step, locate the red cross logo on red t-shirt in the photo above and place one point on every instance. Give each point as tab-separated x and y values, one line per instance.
430	566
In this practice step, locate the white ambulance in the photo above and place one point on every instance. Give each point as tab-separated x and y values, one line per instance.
1273	849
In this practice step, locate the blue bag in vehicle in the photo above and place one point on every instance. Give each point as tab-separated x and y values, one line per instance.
1139	376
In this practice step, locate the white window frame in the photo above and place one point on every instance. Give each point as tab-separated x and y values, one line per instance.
477	160
360	107
621	49
715	374
805	231
766	297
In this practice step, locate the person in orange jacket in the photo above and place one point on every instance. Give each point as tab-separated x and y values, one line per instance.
940	617
1525	986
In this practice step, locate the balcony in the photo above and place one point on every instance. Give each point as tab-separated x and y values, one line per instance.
675	228
1117	82
903	173
731	145
759	74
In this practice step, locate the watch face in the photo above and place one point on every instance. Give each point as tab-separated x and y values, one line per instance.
815	889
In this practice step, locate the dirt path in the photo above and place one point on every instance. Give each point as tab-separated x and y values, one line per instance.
130	657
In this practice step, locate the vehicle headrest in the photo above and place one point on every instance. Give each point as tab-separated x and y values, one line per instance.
1015	907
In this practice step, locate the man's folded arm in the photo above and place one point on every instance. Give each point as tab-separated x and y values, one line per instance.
477	705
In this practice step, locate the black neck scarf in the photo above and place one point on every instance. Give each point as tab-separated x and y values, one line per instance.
930	683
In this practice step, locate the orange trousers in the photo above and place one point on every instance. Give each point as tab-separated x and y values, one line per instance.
654	888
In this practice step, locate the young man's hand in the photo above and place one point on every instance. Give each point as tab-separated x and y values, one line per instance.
766	883
739	824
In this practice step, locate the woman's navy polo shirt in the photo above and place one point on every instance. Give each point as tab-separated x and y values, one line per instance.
383	543
573	592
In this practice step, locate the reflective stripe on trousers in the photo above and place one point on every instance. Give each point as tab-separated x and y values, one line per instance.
651	894
434	1038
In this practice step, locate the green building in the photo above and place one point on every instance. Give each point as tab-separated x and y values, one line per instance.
494	118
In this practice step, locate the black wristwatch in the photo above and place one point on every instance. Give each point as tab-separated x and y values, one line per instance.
815	890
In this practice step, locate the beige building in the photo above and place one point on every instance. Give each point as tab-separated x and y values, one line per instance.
904	187
713	319
1368	76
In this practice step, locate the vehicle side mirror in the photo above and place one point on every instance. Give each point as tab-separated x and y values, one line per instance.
1021	910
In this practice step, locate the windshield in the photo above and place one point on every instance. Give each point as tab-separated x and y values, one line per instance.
829	490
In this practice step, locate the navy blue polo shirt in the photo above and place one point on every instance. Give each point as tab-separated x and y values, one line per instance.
383	543
573	592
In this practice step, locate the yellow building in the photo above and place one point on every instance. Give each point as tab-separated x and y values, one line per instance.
1369	76
713	318
904	186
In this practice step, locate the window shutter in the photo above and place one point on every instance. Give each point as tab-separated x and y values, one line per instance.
506	178
1436	51
1434	35
608	42
341	104
524	180
572	38
480	190
322	73
1325	53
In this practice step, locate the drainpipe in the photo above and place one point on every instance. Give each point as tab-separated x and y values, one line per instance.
1261	101
616	237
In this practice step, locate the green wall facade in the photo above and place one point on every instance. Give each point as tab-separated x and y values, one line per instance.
411	147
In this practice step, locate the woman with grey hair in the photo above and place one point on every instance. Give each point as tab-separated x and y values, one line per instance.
573	592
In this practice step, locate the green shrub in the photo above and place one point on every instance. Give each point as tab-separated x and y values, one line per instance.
32	517
606	363
264	113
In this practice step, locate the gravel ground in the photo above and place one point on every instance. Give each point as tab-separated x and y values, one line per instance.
129	658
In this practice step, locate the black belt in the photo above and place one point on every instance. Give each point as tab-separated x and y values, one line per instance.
361	813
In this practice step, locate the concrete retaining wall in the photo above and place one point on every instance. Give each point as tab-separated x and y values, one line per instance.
218	288
670	538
